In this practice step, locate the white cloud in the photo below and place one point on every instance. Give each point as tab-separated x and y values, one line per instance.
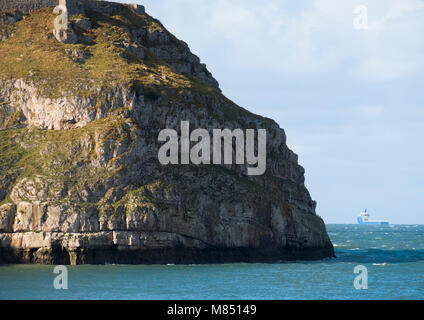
370	110
380	69
397	10
306	37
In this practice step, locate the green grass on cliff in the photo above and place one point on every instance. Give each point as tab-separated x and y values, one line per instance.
10	151
34	54
63	155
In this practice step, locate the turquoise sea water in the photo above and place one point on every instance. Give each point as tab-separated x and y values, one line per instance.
393	255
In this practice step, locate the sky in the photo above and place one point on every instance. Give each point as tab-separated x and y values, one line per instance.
348	91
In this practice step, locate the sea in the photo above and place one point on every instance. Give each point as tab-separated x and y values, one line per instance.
388	261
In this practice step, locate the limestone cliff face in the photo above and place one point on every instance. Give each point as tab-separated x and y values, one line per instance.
80	180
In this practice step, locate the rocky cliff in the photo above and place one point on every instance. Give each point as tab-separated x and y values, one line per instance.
80	180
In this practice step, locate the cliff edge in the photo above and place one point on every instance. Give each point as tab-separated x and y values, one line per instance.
80	180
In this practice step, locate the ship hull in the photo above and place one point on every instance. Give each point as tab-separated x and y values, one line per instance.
376	222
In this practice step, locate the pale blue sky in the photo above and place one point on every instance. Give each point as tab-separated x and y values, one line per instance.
351	102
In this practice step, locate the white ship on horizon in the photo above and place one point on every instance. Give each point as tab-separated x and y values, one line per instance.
364	218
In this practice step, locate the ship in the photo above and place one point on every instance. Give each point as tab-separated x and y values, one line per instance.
364	218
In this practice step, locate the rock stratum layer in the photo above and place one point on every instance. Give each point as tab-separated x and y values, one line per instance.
80	180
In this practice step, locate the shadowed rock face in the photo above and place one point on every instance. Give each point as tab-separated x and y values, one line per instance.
80	181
